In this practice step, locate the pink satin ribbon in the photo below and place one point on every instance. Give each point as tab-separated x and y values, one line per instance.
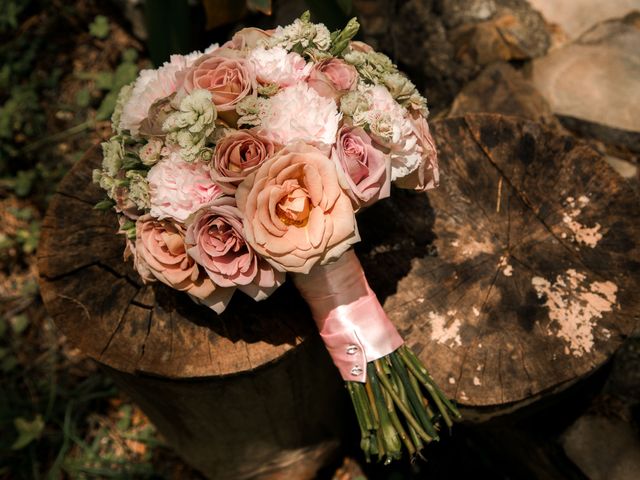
351	320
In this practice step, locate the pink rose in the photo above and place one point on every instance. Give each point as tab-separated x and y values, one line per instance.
358	46
333	77
296	212
237	155
247	38
427	175
178	188
365	168
160	254
226	74
215	240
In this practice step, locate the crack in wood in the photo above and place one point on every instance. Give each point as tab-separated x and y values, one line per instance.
73	197
523	197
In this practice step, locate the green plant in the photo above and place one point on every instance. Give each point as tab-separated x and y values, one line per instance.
99	28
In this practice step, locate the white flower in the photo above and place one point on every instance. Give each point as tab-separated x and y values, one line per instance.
112	155
192	123
390	125
302	33
277	65
153	85
299	113
138	189
178	188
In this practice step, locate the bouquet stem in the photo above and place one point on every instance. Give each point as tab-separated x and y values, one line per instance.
396	399
397	403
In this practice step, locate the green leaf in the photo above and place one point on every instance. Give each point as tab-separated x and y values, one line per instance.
24	182
19	323
124	422
345	5
9	363
104	80
130	55
124	74
105	204
27	431
106	107
99	28
83	97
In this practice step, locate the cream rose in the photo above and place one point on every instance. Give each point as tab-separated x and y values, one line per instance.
237	155
296	212
160	254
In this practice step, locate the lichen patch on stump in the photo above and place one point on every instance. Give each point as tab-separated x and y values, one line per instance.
575	304
582	234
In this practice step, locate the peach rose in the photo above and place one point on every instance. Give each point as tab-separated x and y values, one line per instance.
237	155
365	168
333	77
225	73
215	240
296	212
161	254
427	175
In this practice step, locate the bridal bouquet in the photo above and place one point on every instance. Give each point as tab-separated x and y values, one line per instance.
232	167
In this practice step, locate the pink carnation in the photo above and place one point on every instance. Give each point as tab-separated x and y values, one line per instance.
152	85
278	66
178	188
300	113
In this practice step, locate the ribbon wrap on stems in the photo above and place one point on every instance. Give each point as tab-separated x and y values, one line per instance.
351	321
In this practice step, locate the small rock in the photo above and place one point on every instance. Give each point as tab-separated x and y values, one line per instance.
578	16
596	80
443	45
502	89
625	169
604	449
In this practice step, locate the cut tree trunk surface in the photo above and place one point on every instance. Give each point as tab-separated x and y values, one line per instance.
100	303
532	278
517	276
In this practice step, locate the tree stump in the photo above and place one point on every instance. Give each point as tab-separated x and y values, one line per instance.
514	278
531	280
251	393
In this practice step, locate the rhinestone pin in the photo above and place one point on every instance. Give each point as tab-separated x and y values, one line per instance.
356	370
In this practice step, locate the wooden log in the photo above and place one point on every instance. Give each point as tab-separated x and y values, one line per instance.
531	280
515	278
247	394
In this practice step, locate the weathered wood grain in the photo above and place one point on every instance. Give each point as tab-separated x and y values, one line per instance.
513	279
100	303
530	282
